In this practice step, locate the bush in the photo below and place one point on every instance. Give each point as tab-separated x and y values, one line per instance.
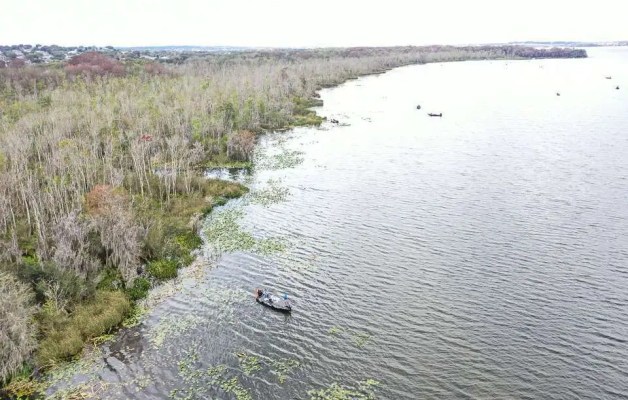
17	333
139	290
163	269
42	275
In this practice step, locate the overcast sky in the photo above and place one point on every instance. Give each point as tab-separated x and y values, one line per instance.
295	23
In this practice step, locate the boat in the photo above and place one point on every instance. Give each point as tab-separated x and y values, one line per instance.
609	77
435	115
273	301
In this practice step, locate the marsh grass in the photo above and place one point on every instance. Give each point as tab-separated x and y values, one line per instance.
65	335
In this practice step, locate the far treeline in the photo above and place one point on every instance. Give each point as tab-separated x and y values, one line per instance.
101	180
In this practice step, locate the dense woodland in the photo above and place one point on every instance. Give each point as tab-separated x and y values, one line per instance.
100	163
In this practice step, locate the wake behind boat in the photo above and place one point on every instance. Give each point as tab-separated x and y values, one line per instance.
273	301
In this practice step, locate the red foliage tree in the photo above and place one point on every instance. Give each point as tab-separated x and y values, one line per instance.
94	63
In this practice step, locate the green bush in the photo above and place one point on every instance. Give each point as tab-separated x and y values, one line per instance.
111	280
39	275
139	290
163	269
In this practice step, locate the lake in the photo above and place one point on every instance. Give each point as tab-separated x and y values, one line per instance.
483	254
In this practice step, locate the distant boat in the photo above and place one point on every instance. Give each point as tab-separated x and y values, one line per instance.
557	93
609	77
617	87
435	115
418	107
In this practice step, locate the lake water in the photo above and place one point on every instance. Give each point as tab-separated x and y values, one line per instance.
483	254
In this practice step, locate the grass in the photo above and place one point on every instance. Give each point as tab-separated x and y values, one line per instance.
65	335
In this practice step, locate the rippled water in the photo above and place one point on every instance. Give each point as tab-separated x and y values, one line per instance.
479	255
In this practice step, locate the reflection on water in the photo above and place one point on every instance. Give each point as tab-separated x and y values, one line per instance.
477	255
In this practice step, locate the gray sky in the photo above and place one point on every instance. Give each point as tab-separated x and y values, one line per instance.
307	23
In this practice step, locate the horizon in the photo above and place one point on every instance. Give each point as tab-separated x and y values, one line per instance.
159	46
285	24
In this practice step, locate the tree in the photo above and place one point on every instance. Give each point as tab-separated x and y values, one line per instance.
17	332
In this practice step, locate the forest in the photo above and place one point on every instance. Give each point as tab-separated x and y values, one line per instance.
101	173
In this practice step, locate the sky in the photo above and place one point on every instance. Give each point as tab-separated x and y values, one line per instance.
313	23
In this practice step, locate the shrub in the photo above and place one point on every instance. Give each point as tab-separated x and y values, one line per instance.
42	275
17	333
139	290
163	269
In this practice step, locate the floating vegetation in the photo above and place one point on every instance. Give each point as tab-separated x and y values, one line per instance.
215	372
285	159
97	341
273	194
234	387
224	234
284	367
135	317
187	371
335	330
365	391
172	325
361	339
249	363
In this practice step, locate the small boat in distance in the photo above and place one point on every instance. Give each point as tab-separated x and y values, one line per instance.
609	77
273	301
435	115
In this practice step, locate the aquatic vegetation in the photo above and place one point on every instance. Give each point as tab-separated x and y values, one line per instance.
365	391
335	330
216	371
234	387
224	234
24	388
361	339
249	363
284	367
273	194
283	159
98	340
172	325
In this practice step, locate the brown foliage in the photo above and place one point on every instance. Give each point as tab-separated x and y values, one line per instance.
155	68
113	218
241	145
93	63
